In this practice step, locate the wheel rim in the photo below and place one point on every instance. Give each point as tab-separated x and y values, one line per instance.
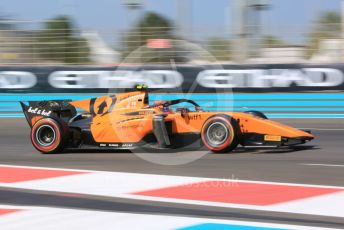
217	133
45	135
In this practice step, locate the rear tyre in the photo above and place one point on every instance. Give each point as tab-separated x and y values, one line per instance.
220	134
257	114
49	135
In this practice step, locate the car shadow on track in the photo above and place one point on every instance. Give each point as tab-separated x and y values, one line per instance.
239	150
286	150
126	151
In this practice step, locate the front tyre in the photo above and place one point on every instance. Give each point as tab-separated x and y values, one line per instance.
49	135
220	134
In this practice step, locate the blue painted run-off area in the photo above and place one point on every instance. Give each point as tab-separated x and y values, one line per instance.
213	226
280	105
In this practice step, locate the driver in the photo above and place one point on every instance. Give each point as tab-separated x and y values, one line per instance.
163	105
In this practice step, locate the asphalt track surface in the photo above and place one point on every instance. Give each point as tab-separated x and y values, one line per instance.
320	162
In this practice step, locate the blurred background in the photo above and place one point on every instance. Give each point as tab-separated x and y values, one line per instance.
282	57
109	32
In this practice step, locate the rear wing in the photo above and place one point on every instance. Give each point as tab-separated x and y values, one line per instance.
36	110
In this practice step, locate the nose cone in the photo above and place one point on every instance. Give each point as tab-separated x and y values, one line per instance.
307	134
296	133
276	128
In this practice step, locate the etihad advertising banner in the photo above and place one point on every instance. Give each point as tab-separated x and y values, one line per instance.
201	79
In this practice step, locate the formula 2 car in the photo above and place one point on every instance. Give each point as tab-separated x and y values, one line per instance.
127	120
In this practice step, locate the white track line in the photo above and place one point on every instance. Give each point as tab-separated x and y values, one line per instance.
173	176
48	218
125	185
325	165
320	129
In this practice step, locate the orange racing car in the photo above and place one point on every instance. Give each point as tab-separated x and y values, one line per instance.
127	120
